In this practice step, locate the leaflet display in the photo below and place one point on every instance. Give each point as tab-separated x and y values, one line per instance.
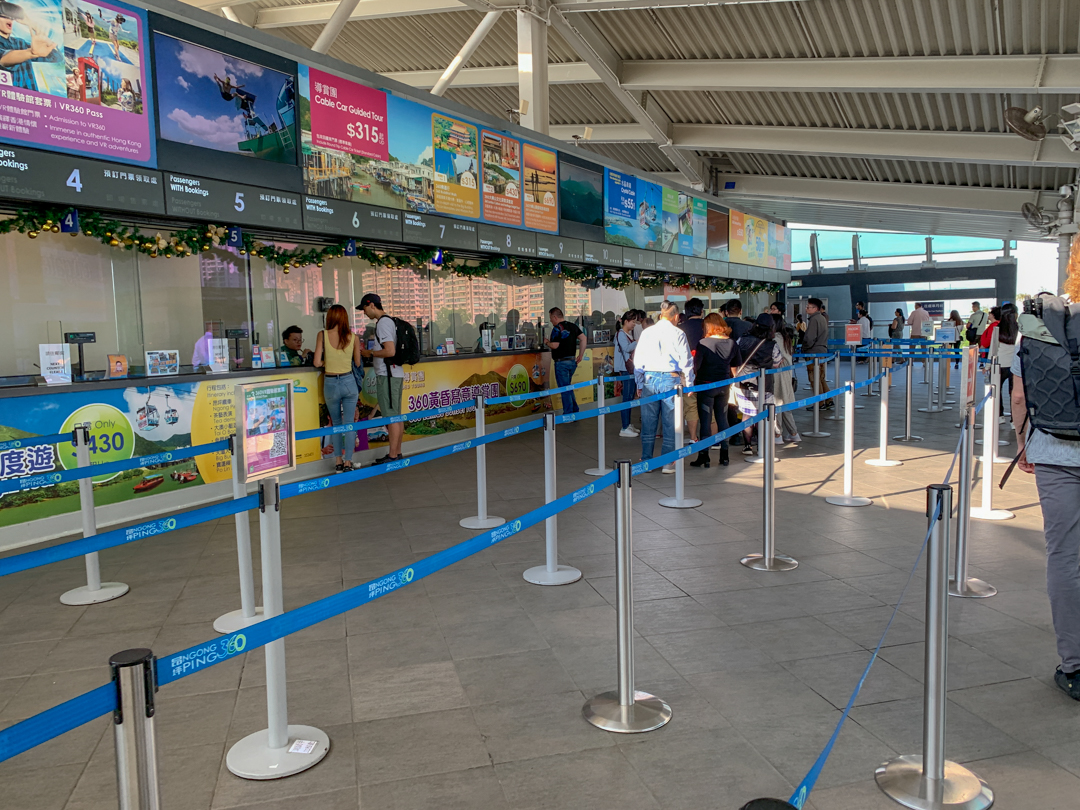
27	174
202	199
338	217
264	420
76	78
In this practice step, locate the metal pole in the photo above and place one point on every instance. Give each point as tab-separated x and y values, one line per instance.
960	584
815	385
679	502
601	467
768	559
908	382
248	614
990	433
763	443
95	591
852	378
551	573
481	520
133	725
625	710
883	459
871	370
467	50
837	413
280	749
848	498
929	781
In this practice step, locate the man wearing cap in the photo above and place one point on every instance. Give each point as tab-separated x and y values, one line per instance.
16	53
388	377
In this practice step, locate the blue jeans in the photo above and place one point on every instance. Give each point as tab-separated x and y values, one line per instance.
564	375
340	394
629	391
653	412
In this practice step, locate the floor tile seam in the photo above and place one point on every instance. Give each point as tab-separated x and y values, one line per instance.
262	802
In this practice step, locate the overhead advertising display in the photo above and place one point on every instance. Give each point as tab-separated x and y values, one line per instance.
502	178
684	222
581	200
75	77
455	148
216	101
758	242
136	421
632	211
541	183
716	246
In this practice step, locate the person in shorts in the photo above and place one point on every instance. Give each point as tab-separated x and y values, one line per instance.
389	377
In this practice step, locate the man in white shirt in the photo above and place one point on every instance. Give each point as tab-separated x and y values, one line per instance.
977	322
916	319
661	362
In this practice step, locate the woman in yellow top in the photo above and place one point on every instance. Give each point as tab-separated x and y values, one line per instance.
336	349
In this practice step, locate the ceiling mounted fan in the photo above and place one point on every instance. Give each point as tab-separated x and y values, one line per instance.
1029	124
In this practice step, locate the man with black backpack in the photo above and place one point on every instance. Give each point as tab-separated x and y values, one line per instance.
1046	415
398	348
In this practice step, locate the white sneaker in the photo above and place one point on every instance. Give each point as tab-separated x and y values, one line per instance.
628	433
669	469
778	440
795	439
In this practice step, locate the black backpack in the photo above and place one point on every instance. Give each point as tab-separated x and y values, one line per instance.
406	345
1051	371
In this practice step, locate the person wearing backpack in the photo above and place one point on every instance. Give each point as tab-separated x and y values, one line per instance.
397	350
1046	416
976	323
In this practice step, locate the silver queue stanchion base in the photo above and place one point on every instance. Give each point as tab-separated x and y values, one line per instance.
625	710
551	573
280	749
481	520
134	734
769	560
849	498
601	467
249	613
929	781
815	384
960	584
883	459
679	501
94	591
908	382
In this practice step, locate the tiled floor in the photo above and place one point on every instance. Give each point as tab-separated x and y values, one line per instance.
464	690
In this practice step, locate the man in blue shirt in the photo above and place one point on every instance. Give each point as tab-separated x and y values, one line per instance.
16	53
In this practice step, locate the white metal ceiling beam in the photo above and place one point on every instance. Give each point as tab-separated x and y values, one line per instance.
887	144
584	37
333	27
558	73
320	13
453	70
631	5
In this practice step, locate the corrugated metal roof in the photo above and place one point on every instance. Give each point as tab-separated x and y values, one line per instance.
646	156
570	103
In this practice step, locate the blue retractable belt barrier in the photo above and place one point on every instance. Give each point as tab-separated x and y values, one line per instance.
194	659
693	389
128	534
547	392
58	720
669	458
33	441
798	798
415	416
59	476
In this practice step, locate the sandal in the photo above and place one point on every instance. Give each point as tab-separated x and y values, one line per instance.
340	466
348	465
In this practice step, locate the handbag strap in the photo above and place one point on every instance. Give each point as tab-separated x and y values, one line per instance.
749	358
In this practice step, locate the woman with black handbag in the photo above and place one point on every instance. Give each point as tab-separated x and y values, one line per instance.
716	358
761	352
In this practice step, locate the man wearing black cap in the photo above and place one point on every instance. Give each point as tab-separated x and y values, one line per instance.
16	53
388	377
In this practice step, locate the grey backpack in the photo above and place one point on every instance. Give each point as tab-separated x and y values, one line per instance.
1051	371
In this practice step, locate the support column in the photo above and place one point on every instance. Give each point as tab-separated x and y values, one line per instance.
533	70
333	27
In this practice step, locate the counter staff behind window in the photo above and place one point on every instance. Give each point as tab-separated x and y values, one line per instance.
292	347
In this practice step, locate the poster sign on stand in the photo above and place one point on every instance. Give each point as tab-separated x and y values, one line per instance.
162	363
968	368
54	360
219	355
264	423
852	334
946	334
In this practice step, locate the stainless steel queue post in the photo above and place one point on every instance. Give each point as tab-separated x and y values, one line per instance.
960	584
551	573
837	413
248	614
849	498
883	459
815	385
94	591
765	442
625	710
929	781
939	406
280	749
769	560
908	382
986	510
852	378
481	520
601	467
134	734
679	501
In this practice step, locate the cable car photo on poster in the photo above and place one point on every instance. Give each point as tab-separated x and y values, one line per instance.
266	430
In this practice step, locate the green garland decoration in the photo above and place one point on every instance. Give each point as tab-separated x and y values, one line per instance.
35	220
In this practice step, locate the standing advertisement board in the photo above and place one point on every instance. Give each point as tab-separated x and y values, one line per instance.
84	86
265	429
136	421
969	366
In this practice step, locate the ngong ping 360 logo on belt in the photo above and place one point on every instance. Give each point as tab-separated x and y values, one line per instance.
151	528
391	583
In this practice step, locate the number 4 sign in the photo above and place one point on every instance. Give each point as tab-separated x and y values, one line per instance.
70	222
